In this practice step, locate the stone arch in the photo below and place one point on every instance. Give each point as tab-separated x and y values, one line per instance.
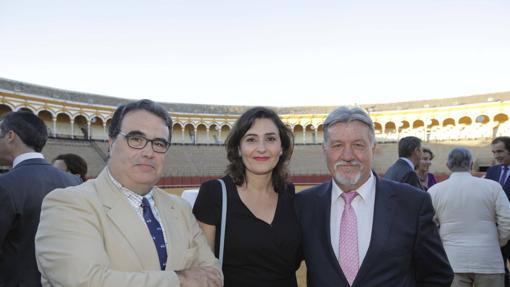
309	134
465	120
377	128
320	133
225	131
501	118
25	109
63	125
189	134
482	119
418	124
97	128
177	132
433	123
47	118
448	122
390	127
405	125
202	136
298	134
214	135
80	127
4	109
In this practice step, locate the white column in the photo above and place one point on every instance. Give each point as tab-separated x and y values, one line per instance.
54	127
72	128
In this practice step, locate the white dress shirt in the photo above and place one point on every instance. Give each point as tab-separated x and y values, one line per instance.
363	206
25	156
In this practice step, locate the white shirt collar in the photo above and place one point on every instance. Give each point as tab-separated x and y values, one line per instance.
25	156
460	173
364	191
411	164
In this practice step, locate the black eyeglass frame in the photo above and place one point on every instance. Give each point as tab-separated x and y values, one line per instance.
129	136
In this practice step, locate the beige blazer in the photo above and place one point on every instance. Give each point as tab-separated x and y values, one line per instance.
89	235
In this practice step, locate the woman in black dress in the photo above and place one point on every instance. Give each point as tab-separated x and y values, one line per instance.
262	238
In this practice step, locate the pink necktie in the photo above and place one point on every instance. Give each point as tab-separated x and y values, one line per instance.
348	245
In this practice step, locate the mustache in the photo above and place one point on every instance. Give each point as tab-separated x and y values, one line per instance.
347	163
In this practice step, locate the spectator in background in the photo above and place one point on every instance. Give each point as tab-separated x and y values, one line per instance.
427	179
22	189
72	163
403	170
262	238
473	215
500	148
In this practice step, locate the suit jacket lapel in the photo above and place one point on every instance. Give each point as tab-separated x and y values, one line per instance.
127	221
381	227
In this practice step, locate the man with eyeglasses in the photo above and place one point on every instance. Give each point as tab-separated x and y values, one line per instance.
119	229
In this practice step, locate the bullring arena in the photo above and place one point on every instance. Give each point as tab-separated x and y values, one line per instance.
77	123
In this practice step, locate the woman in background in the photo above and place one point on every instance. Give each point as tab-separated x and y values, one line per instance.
72	163
427	179
262	238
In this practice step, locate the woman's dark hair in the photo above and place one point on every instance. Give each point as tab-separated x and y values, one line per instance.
75	164
429	151
236	168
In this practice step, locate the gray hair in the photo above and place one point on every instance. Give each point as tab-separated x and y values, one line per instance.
459	159
346	114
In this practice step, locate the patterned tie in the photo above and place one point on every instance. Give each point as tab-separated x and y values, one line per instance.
156	232
348	245
504	175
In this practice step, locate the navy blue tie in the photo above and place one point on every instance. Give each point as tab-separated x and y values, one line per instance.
156	232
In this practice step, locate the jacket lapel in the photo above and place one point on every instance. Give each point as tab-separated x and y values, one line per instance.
381	227
127	221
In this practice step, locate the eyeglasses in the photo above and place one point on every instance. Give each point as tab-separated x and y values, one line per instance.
139	142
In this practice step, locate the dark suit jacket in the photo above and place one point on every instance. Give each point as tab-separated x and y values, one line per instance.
401	171
494	173
405	249
21	193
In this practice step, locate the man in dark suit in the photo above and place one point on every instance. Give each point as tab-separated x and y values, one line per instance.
361	230
500	147
403	170
22	137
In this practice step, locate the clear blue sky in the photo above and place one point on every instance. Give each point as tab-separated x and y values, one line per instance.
259	52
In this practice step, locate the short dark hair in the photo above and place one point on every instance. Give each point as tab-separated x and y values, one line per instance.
147	105
30	128
505	140
236	168
429	151
75	164
407	145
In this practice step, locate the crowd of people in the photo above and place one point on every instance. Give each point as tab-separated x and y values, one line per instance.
250	227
